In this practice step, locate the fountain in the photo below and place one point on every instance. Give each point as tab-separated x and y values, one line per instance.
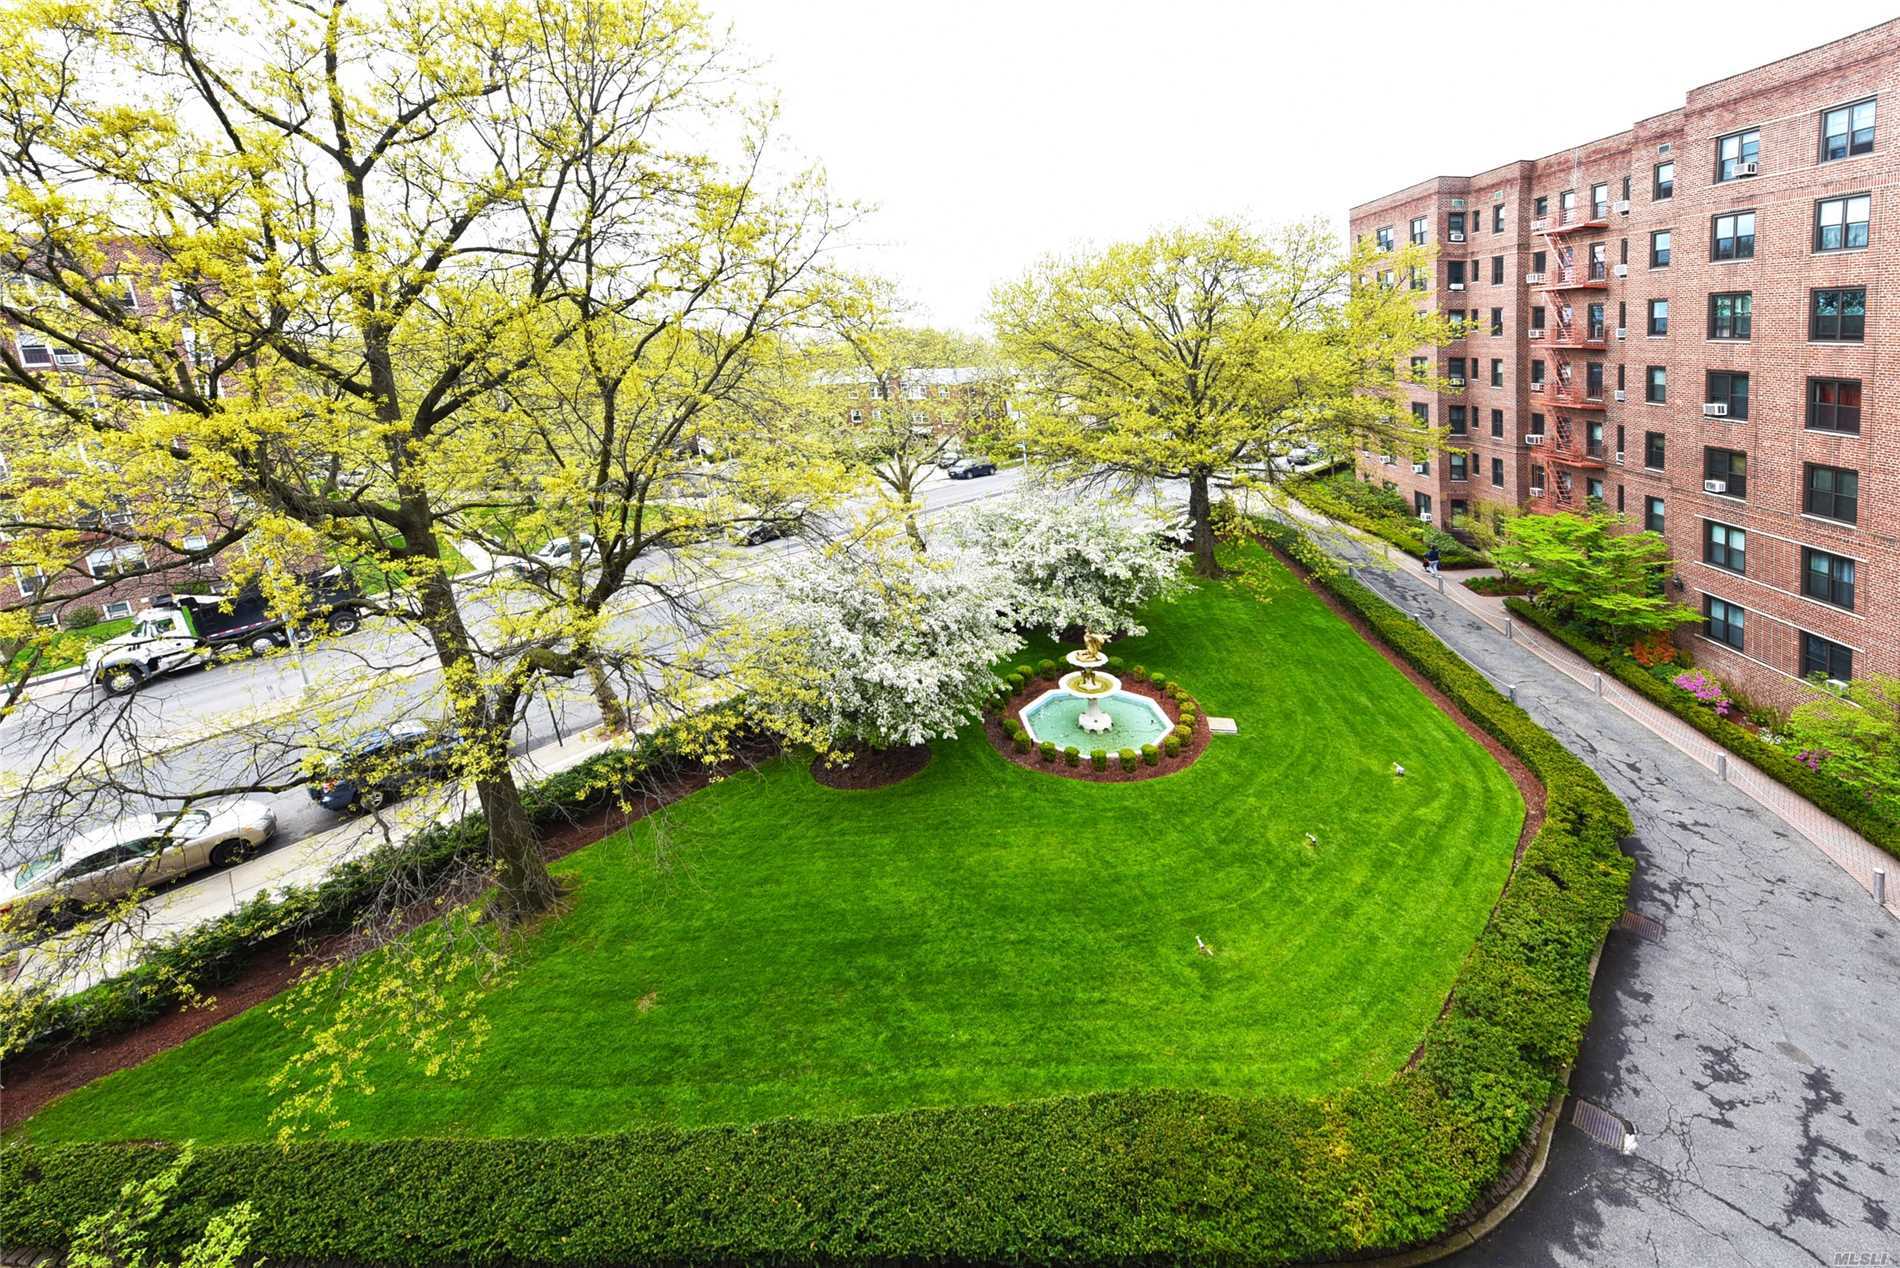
1088	709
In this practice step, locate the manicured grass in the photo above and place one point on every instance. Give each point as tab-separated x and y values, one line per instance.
66	648
979	933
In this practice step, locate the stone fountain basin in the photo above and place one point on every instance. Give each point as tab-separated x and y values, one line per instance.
1052	716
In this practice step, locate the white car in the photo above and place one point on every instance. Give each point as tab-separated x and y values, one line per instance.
557	555
134	853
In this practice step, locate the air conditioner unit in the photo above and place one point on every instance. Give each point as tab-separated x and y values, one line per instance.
1457	204
1533	279
1619	457
1537	387
1621	395
1715	409
1534	438
1747	169
1835	684
1623	206
1424	517
1537	332
1419	468
1454	286
1537	490
1456	235
1715	486
1386	460
1622	270
1622	332
1540	224
1456	380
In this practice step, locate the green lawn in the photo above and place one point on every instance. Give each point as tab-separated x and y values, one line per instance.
979	933
67	648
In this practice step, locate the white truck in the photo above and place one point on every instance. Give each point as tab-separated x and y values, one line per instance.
181	630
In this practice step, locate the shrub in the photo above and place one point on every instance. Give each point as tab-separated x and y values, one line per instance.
1150	755
1160	683
1098	758
1047	668
1072	756
1183	731
1127	757
1188	718
1025	673
1140	673
1021	741
78	618
1047	750
1114	664
1654	648
1172	746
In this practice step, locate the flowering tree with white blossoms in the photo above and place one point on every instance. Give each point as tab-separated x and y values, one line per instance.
869	644
1093	561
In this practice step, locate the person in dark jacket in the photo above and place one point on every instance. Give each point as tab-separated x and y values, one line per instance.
1431	561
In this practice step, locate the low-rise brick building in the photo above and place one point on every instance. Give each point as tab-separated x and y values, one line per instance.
1688	321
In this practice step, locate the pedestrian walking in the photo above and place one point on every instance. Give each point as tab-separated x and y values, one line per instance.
1431	561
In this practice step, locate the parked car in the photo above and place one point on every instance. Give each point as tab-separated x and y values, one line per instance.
134	853
971	468
556	555
384	765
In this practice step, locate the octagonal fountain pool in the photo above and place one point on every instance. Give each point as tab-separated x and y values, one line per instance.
1057	716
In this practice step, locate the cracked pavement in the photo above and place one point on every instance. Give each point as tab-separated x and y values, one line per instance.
1754	1047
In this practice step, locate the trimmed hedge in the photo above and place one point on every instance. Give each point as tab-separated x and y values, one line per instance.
1406	534
1835	796
1143	1176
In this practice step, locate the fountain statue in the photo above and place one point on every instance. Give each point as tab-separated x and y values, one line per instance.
1088	705
1090	683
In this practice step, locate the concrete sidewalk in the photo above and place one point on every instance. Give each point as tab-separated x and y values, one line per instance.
1748	1035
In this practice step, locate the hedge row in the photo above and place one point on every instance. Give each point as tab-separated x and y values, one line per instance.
1408	535
212	954
1137	1176
1834	795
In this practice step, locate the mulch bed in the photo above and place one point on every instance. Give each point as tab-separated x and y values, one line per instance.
879	768
1191	749
32	1082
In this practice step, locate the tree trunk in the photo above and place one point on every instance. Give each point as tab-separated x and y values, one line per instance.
613	714
527	887
1201	518
914	533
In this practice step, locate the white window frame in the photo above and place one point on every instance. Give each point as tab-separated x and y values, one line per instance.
107	612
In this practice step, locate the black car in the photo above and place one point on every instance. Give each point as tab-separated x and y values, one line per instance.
384	765
971	469
765	531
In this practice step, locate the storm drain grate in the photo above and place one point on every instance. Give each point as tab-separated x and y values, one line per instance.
1603	1127
1647	928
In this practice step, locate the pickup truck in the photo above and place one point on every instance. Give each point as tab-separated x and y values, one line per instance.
181	630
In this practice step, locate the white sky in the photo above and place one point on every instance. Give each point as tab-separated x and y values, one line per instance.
988	133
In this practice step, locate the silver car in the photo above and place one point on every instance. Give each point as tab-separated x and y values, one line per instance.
133	854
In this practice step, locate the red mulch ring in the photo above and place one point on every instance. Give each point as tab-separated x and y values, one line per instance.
879	768
34	1081
1191	750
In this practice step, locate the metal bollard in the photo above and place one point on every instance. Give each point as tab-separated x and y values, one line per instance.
1880	887
1721	767
1507	629
1511	691
1441	583
1599	684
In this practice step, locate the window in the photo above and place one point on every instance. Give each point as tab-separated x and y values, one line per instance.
116	288
1839	316
1656	384
1737	154
30	578
1537	424
1829	578
1593	321
1455	272
1724	546
1497	472
113	561
1593	380
1840	224
1659	249
195	541
117	610
1497	423
1734	236
1593	488
1599	201
1665	183
1729	389
1538	259
1458	467
1727	467
1653	514
1497	321
1497	218
1847	131
1599	261
1418	279
1722	621
1658	316
1455	223
1833	492
1419	365
1421	413
857	415
1497	270
1422	503
1384	238
1541	205
35	353
1497	371
1455	422
1822	658
1834	405
1419	231
1537	373
1537	318
1655	450
1731	315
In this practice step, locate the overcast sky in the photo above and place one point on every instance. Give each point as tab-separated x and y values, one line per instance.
988	133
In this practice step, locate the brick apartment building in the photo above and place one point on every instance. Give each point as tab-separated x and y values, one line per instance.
1696	322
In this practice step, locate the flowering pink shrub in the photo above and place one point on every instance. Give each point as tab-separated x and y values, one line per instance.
1810	758
1706	689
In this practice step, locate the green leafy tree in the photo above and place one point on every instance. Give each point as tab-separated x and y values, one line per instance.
1199	351
1856	736
1587	569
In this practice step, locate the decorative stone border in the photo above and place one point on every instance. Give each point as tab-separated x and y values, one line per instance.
1191	748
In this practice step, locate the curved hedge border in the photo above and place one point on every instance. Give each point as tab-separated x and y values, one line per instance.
1835	796
1134	1176
1401	533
